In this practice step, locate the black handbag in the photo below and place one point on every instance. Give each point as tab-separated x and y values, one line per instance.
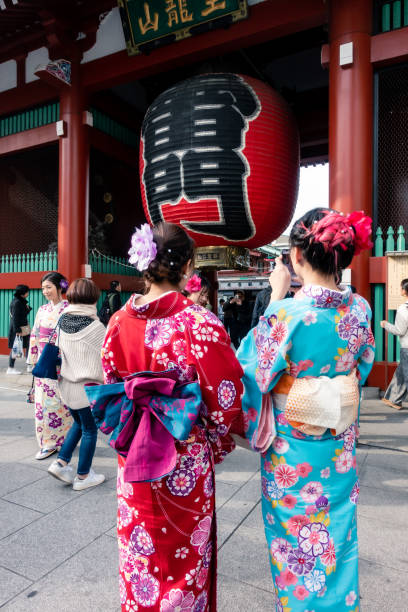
46	366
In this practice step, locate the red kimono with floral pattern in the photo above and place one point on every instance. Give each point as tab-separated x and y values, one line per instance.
166	528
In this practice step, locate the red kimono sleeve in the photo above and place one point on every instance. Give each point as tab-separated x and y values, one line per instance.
220	376
112	352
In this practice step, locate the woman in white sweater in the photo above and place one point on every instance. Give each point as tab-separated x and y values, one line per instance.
398	387
81	336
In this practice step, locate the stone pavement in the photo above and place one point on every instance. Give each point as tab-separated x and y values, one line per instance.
58	547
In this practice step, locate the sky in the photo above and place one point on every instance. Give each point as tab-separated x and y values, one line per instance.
313	190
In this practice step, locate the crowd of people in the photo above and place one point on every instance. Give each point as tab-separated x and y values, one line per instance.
174	396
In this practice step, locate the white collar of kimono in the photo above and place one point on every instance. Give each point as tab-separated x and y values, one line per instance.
136	296
50	303
322	297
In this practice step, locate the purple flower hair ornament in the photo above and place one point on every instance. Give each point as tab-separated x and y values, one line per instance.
64	284
143	249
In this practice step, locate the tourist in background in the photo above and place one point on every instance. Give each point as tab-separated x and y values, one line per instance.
197	289
52	417
80	341
397	389
115	301
261	304
228	309
167	528
19	309
112	302
221	310
240	324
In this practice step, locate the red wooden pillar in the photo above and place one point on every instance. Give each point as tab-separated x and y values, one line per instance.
73	181
212	277
351	119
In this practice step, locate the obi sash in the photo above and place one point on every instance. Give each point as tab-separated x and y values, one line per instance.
145	414
314	404
45	333
310	404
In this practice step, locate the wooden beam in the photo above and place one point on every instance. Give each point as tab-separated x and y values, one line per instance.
30	42
268	20
387	48
30	139
10	280
4	350
112	147
123	112
128	283
9	4
390	47
377	269
381	374
13	100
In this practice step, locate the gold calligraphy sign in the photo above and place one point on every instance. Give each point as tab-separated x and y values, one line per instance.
148	24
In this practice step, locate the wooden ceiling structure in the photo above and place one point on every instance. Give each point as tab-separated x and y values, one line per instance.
68	28
26	25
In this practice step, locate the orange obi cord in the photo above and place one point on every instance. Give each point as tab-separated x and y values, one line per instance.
284	384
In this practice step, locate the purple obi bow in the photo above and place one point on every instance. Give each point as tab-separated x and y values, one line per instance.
145	414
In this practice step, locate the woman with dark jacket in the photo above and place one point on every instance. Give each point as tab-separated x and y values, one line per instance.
111	303
115	301
19	310
261	304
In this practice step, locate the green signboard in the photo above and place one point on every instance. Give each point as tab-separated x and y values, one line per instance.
150	23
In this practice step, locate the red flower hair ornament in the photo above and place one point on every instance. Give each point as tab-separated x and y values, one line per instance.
194	284
337	229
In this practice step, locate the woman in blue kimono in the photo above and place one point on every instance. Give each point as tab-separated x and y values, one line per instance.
304	365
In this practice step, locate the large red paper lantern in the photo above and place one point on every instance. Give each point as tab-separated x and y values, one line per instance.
219	156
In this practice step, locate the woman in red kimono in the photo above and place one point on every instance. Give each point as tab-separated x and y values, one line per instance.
166	528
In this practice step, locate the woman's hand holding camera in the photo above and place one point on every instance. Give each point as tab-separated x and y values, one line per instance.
279	280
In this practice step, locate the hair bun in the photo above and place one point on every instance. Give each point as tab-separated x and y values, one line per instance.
174	249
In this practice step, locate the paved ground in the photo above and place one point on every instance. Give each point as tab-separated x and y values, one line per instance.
58	548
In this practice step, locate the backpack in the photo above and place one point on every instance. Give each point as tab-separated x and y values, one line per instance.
105	311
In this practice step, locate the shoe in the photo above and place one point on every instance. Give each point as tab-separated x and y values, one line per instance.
45	452
92	480
13	371
62	472
29	369
396	406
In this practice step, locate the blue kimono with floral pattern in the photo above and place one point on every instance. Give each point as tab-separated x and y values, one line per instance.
309	483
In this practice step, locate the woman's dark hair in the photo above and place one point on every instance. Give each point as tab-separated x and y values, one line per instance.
21	290
174	249
83	291
114	284
58	280
329	262
404	285
205	284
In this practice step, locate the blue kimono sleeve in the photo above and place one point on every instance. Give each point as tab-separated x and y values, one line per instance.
262	355
366	355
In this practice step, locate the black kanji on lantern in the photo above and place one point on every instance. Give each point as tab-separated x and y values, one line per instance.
193	136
